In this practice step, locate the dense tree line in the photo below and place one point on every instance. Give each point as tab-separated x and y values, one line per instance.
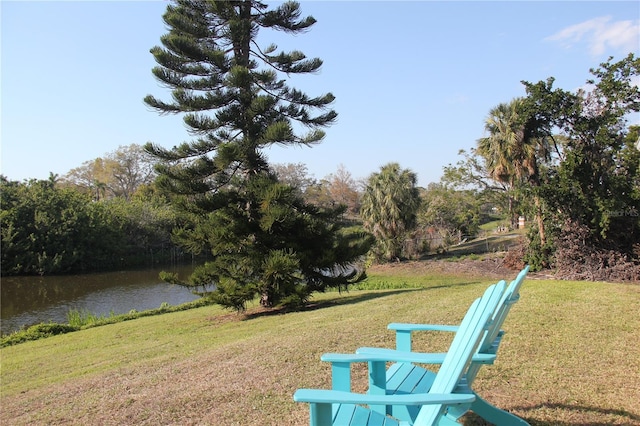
589	197
49	228
571	162
61	225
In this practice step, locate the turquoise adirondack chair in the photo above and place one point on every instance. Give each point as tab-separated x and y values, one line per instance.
341	407
407	378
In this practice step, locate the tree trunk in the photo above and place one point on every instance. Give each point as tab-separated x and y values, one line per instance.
512	216
543	238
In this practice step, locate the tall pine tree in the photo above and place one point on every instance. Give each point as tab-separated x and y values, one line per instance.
265	240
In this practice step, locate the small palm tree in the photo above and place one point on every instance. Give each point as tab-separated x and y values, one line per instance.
389	206
100	188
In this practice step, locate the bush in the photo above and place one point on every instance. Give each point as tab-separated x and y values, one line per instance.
579	258
36	332
537	256
515	256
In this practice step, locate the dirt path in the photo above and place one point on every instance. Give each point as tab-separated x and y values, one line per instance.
489	267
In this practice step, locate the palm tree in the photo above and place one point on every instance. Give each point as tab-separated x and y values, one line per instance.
496	148
100	188
511	154
389	206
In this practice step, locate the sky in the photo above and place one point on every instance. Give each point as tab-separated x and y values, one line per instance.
413	80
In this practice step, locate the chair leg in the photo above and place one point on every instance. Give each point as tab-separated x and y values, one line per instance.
494	415
447	421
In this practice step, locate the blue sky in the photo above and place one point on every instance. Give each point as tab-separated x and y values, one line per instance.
413	80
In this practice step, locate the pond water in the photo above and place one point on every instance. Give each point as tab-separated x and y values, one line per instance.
30	300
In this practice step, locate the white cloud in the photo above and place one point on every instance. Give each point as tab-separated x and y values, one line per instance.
602	35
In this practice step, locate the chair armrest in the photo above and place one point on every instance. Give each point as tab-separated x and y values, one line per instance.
403	332
322	396
421	327
321	402
384	355
417	357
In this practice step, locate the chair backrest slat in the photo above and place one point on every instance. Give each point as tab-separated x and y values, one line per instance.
488	345
511	296
471	330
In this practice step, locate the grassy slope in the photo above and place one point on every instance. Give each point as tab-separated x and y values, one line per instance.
570	358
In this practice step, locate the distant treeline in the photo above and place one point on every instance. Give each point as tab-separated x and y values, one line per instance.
47	228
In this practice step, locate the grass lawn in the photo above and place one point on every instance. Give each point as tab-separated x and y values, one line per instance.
570	357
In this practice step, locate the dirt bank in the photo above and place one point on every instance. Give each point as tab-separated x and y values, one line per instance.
488	267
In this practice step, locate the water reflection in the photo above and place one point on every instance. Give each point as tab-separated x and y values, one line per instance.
31	300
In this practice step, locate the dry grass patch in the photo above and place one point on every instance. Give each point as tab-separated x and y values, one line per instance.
570	358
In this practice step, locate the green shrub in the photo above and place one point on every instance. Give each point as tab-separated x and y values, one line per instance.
81	319
36	332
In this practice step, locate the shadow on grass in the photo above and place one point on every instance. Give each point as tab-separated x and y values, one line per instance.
346	300
433	287
627	417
